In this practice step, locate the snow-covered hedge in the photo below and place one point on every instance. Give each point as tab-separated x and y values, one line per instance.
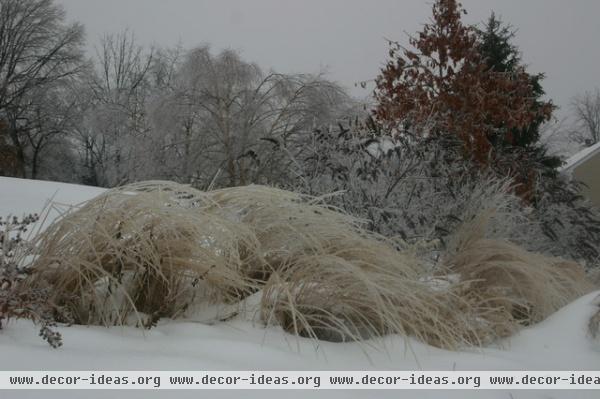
424	191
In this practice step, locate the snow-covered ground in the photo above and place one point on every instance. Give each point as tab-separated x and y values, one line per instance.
558	343
19	196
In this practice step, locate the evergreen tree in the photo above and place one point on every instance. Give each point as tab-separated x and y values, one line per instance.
557	202
521	145
502	56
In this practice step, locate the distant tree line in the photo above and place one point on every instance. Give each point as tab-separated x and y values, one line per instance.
134	113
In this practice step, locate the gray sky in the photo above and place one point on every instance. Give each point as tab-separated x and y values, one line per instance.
347	37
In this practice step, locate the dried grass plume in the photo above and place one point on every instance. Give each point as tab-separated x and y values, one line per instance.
159	249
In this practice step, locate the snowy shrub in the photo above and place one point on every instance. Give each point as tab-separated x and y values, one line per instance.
410	192
16	299
421	192
572	225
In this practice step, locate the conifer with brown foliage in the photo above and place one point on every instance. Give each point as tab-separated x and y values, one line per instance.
444	86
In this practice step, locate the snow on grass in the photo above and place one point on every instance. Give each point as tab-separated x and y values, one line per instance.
558	343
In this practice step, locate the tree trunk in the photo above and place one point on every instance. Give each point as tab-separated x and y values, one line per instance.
19	164
34	163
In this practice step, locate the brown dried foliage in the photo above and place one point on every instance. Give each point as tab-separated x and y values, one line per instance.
445	86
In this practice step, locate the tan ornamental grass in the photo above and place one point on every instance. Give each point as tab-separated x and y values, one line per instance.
518	287
158	249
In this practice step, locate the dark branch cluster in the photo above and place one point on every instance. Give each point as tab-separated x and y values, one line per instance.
17	301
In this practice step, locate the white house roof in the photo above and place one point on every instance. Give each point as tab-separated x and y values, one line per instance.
580	157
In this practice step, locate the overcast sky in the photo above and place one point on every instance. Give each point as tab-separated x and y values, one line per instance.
347	37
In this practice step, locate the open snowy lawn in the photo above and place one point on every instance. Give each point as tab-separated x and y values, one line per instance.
559	343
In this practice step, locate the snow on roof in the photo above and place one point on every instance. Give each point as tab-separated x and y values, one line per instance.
580	157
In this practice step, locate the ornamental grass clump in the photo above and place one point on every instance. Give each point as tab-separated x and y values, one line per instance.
159	249
517	286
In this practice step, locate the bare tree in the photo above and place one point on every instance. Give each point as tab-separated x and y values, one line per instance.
37	48
51	113
556	137
587	113
115	119
222	113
